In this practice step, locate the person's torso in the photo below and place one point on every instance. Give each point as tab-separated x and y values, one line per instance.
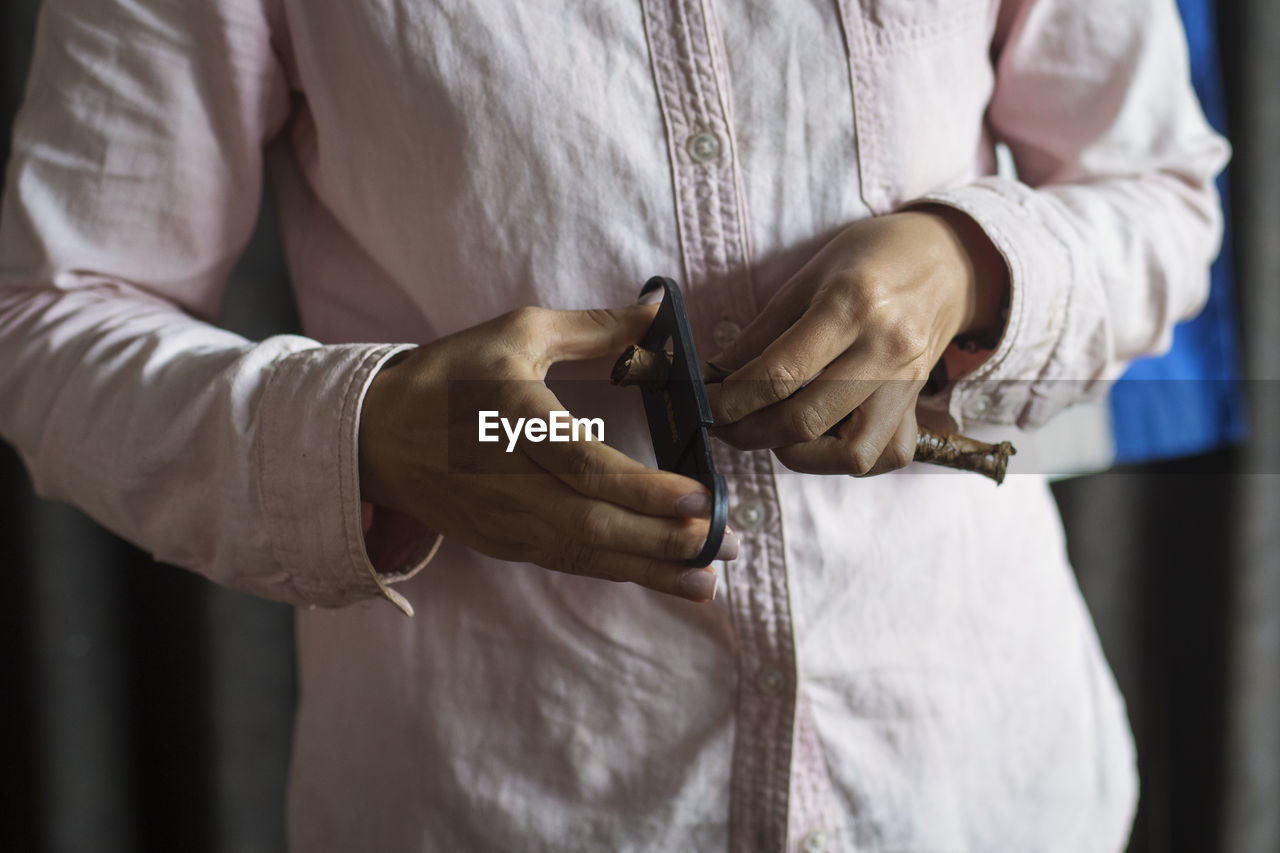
460	158
873	670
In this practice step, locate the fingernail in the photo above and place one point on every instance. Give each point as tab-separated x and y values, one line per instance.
653	297
696	505
697	584
728	547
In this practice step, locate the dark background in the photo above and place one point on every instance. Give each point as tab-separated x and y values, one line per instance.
144	708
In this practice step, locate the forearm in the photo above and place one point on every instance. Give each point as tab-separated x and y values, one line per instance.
1109	228
213	453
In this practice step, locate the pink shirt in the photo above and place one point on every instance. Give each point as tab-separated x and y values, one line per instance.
896	663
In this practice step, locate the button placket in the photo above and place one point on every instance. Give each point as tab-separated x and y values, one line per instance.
683	45
761	619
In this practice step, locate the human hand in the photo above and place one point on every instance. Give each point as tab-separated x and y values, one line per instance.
828	374
580	507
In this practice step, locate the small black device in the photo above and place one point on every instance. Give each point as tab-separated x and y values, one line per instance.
679	413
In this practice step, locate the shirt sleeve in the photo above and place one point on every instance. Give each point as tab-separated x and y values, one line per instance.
1111	225
132	189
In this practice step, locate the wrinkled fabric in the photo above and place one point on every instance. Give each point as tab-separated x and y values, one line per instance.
1191	399
897	663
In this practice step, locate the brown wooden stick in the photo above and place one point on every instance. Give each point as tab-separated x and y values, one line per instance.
963	453
649	369
642	367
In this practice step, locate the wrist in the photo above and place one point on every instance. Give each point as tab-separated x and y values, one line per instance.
371	442
983	281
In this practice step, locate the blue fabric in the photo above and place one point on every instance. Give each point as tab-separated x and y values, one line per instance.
1189	400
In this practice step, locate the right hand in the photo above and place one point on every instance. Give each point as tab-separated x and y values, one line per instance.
578	507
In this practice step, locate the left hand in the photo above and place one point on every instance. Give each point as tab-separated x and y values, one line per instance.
828	374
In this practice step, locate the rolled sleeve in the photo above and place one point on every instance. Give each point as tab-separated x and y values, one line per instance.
133	185
1109	229
1030	376
308	476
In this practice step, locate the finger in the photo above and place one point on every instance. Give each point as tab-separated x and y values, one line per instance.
593	469
858	445
901	449
797	355
552	336
663	576
811	412
498	514
784	308
559	523
596	470
589	526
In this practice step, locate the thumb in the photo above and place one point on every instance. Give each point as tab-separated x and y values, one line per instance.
596	332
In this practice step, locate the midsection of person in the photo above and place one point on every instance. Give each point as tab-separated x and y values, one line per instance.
946	668
518	155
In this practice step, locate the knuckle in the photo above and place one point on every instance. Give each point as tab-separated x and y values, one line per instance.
652	575
903	342
728	407
862	457
583	464
861	293
844	301
513	398
525	317
806	425
576	557
782	379
602	317
730	411
874	292
528	325
507	364
595	524
679	543
900	453
652	493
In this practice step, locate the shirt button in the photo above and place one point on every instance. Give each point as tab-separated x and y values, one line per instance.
748	515
770	679
814	842
703	147
725	333
978	407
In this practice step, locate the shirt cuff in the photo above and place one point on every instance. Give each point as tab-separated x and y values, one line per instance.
1010	386
308	477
